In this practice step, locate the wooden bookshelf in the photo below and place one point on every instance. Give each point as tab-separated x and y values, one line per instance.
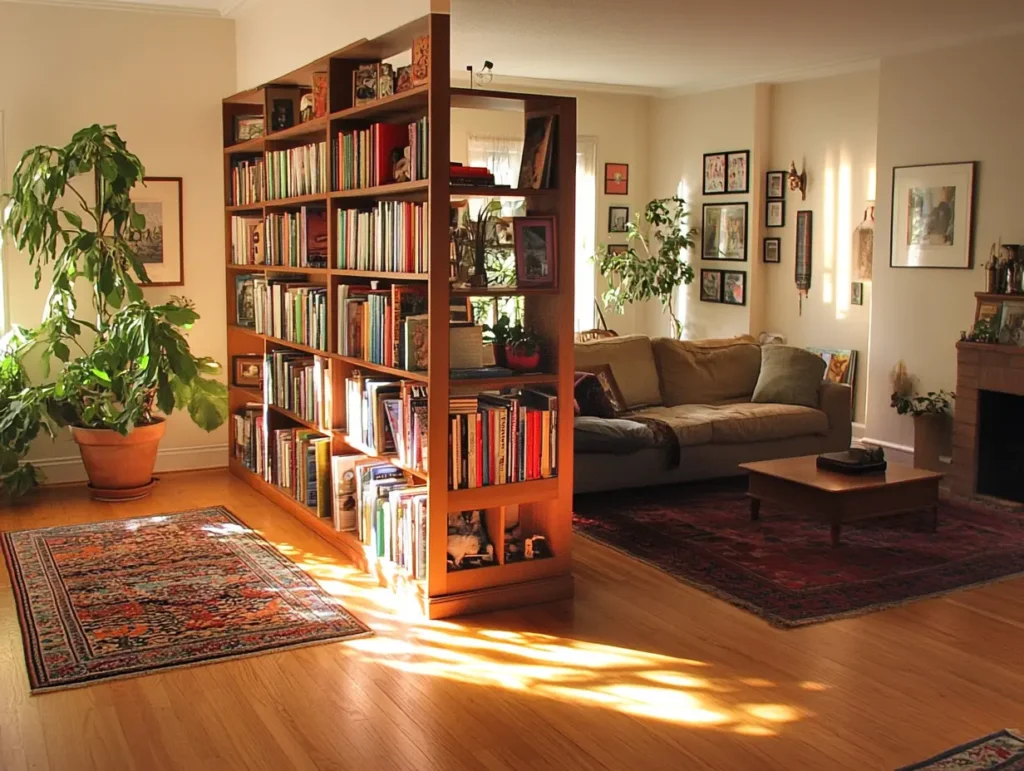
543	506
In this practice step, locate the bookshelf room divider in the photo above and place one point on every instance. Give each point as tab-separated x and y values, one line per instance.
323	320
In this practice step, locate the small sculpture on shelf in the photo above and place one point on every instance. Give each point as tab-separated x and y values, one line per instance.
468	544
514	544
536	548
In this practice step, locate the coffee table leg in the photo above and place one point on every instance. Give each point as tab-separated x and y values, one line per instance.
755	508
835	534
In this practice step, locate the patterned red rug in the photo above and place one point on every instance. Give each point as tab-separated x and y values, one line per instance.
129	597
1001	751
783	568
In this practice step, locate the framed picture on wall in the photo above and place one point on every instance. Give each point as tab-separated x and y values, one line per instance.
856	293
772	250
775	185
618	219
774	214
159	248
710	286
932	213
734	287
725	231
247	370
714	173
737	177
616	179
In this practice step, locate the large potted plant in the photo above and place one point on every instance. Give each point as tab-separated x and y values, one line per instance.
933	419
127	366
659	269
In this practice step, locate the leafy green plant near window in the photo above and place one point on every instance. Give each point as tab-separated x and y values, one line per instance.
652	265
130	361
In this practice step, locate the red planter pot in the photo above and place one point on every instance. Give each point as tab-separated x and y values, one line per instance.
519	361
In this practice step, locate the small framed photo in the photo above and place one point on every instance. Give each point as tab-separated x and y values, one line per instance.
247	371
856	293
734	287
618	218
772	250
617	248
616	179
710	286
245	301
775	185
774	214
1011	324
737	177
536	251
248	127
725	231
714	173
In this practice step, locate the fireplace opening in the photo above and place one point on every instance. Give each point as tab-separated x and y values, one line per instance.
1001	445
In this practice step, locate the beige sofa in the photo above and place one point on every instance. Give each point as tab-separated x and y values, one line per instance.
702	390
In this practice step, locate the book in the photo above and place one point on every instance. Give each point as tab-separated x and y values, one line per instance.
368	157
248	181
417	342
403	79
297	239
247	240
322	450
343	482
465	347
364	83
390	236
319	94
293	311
388	417
535	166
420	73
297	171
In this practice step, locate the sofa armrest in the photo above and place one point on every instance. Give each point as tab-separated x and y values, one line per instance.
836	401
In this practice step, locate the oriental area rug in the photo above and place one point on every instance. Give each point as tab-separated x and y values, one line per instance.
130	597
783	568
1001	751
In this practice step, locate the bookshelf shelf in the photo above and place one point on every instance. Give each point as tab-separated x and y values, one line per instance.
350	385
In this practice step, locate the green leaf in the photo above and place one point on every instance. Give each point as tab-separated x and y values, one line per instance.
61	351
73	218
100	375
208	406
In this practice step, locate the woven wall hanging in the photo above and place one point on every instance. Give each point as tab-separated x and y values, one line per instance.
803	255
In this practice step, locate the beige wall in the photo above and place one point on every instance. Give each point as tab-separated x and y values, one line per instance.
829	125
959	104
160	79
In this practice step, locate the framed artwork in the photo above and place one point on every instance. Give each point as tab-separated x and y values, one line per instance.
159	248
856	293
710	286
248	127
775	185
247	371
245	301
1011	324
616	179
987	312
725	231
771	250
617	248
804	236
774	214
536	251
734	287
932	216
840	364
714	173
618	218
282	106
737	177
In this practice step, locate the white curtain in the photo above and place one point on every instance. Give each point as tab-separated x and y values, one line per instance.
586	231
501	155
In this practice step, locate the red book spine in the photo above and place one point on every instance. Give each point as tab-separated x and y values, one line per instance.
536	443
479	449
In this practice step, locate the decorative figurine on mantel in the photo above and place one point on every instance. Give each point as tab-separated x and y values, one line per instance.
1004	271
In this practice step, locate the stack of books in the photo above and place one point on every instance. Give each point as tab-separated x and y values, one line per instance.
297	239
392	516
250	447
388	417
297	171
302	466
248	181
391	237
370	157
497	439
291	311
247	241
382	326
470	176
299	383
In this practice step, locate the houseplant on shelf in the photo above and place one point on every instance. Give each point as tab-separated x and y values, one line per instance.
657	271
515	346
130	365
933	418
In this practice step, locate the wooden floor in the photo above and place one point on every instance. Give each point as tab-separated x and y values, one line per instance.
640	672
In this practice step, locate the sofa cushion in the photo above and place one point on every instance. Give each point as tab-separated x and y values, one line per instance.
788	376
690	422
743	423
590	399
610	436
706	372
632	363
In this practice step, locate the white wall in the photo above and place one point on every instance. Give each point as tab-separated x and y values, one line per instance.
958	104
828	126
160	78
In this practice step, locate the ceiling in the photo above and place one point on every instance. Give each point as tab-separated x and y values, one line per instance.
687	45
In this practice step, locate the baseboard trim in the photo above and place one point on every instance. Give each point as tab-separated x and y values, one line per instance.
69	468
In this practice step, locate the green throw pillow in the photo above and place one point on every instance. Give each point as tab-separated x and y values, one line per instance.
788	376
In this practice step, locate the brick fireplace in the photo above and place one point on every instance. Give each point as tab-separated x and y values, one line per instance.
988	435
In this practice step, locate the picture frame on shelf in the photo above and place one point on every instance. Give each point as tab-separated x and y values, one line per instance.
737	172
618	219
1011	323
714	173
734	287
160	200
775	214
856	293
775	185
365	83
247	370
710	286
536	251
248	127
245	301
771	250
932	216
282	107
724	236
616	179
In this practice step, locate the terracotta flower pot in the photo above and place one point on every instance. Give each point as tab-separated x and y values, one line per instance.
519	361
119	467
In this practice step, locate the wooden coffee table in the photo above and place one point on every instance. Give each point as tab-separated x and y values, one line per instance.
838	499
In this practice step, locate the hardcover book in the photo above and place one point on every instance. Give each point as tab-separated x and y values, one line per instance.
421	60
364	83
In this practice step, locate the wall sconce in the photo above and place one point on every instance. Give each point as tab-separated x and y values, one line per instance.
798	181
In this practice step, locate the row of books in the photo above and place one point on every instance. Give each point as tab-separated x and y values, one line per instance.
381	154
297	239
292	311
388	417
471	176
384	326
297	171
392	236
299	383
248	181
497	439
392	516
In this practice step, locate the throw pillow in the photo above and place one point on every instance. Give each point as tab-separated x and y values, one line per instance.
788	376
589	397
603	373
